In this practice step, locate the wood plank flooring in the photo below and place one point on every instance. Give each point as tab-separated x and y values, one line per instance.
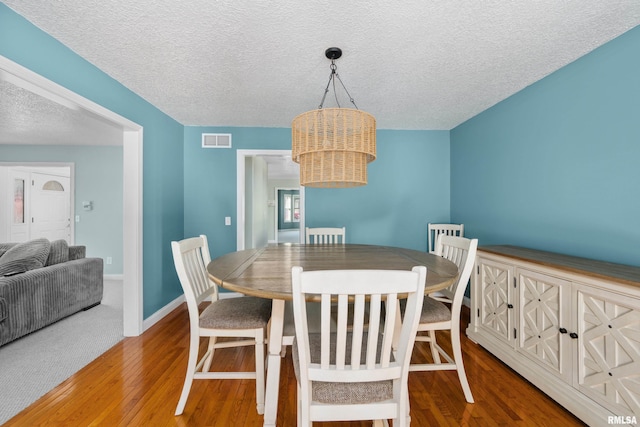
138	382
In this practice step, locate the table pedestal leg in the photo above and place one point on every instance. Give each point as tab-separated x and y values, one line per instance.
273	363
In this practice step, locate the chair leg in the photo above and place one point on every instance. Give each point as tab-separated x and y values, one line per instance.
194	342
299	406
457	356
404	413
260	371
304	417
434	348
210	349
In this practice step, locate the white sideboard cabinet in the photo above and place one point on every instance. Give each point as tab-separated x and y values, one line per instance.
571	326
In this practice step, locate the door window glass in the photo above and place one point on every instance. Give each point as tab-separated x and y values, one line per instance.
52	186
18	201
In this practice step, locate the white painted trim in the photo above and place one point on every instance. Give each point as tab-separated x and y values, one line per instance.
46	87
113	277
164	311
240	181
132	183
132	233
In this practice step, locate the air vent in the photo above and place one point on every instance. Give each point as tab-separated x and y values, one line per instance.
216	140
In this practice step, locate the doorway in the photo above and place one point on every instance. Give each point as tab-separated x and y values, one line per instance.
288	217
131	140
244	204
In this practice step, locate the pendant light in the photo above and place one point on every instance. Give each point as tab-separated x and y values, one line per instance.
333	145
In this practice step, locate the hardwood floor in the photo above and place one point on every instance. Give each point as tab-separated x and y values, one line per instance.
138	382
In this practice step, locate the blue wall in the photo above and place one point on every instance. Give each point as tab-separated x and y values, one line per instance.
163	219
408	187
98	178
210	180
557	165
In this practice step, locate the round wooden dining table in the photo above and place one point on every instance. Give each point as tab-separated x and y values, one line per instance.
266	273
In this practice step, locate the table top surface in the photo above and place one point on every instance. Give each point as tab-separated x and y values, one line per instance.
266	272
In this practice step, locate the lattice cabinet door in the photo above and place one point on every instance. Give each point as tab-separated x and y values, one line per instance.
608	338
495	295
544	320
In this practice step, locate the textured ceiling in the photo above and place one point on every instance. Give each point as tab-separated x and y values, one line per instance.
415	64
27	118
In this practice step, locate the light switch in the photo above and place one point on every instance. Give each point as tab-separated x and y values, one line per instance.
227	220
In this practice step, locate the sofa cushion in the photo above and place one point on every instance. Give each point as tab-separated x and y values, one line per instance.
59	252
24	257
4	247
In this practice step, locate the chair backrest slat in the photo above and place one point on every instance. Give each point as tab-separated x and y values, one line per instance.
357	331
462	252
191	257
434	230
325	235
341	339
325	330
375	314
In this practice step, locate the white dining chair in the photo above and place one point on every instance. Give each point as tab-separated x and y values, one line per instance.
245	318
440	313
325	235
434	230
346	374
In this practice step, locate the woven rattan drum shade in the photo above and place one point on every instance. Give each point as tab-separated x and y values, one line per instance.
333	146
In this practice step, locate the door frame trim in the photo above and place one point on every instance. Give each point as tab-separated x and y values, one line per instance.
132	250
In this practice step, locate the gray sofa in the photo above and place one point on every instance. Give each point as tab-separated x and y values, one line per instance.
42	282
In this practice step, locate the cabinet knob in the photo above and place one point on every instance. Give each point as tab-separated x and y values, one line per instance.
573	335
563	330
510	305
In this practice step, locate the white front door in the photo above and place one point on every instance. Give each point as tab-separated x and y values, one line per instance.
50	207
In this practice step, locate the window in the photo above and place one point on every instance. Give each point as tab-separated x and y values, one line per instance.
18	201
52	186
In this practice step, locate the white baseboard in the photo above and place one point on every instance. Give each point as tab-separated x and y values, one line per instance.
113	277
164	311
160	314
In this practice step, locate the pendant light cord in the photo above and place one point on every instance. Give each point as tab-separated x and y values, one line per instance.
332	78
